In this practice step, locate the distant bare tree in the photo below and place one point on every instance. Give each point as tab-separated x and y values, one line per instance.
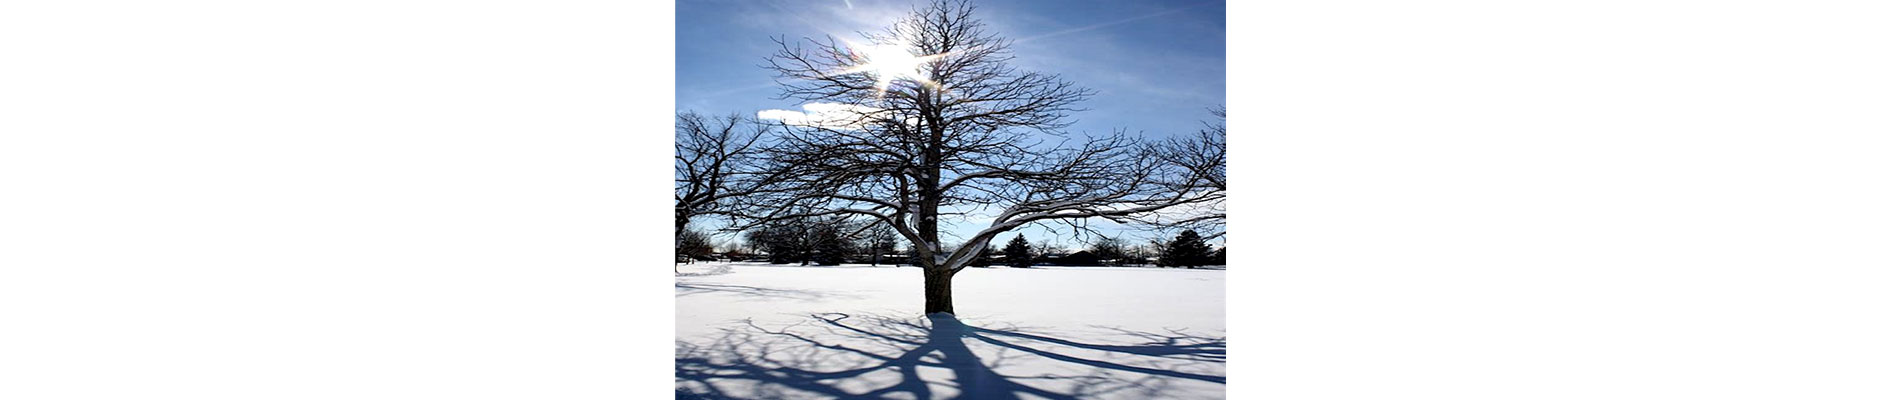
880	241
1111	250
1046	250
1150	251
1137	254
930	120
693	244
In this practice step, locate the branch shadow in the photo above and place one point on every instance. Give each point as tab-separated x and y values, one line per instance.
683	289
840	356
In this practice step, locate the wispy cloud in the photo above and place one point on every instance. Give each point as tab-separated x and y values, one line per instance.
842	19
1101	25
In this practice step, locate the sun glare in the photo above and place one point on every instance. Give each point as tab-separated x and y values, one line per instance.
888	63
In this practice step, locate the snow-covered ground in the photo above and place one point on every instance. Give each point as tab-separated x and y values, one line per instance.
755	331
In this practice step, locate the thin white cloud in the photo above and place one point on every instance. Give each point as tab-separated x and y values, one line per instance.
823	115
787	116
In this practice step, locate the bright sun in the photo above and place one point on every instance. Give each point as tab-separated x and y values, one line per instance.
889	63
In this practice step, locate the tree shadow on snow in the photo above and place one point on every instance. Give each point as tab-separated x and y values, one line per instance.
682	289
716	269
876	357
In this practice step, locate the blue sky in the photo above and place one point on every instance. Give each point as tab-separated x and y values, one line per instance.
1157	66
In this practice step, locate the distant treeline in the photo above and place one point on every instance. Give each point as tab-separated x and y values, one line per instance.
840	240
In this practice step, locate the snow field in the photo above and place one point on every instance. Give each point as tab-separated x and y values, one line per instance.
778	331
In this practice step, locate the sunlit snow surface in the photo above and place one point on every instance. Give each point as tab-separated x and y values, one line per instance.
754	331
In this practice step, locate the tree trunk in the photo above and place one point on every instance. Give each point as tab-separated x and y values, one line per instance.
937	292
679	227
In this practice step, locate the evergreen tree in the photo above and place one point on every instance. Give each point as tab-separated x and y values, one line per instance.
1188	249
827	244
1017	252
803	241
785	242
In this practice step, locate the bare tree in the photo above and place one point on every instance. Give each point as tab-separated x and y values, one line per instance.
716	161
1201	159
927	119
